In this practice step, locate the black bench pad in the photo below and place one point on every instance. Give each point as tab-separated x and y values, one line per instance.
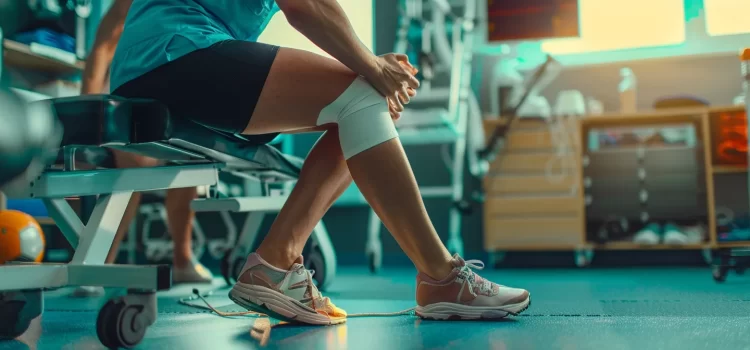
146	127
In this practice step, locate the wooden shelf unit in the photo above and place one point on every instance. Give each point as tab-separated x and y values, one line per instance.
519	208
19	55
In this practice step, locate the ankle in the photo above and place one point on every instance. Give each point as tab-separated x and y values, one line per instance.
182	259
278	258
438	272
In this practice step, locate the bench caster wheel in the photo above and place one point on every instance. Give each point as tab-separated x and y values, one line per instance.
374	252
455	246
17	310
315	262
720	273
583	257
708	256
122	322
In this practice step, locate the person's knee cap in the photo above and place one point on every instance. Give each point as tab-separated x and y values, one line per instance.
362	116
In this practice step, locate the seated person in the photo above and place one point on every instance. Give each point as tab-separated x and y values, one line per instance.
201	58
186	269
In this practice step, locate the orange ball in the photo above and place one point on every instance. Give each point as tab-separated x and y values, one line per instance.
21	237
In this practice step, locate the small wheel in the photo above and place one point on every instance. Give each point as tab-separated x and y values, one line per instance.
372	263
720	273
583	258
17	310
315	262
235	268
374	252
708	256
118	325
224	266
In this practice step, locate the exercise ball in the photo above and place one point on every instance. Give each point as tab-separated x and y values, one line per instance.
21	237
29	139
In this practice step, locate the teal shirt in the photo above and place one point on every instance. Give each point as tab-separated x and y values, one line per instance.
159	31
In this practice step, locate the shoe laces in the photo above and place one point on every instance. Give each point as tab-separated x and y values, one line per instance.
476	282
315	294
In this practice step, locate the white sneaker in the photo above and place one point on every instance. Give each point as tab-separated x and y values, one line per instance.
194	272
286	295
673	235
649	235
695	234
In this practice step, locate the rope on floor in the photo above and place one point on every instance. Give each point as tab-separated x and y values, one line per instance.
202	297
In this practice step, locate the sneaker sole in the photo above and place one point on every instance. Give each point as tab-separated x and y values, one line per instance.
279	306
453	311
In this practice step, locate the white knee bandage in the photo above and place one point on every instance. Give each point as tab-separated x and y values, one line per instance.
362	117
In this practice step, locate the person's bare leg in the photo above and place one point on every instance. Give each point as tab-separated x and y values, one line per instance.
324	177
180	223
127	160
122	230
382	173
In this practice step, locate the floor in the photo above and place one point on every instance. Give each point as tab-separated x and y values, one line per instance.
645	308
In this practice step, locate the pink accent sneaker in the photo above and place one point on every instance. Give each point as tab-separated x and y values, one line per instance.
463	295
286	295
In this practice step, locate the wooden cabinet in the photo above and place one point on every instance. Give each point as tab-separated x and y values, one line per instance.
535	192
532	191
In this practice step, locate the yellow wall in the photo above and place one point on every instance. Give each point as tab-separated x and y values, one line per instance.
360	13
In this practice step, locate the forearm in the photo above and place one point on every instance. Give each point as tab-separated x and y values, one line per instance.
325	23
107	36
97	67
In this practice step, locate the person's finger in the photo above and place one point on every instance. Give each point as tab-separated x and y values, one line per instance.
402	57
403	95
397	106
412	70
394	115
412	82
412	92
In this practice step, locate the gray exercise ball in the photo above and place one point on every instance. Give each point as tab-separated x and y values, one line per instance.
29	139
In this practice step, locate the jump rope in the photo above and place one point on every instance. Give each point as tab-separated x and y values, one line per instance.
197	295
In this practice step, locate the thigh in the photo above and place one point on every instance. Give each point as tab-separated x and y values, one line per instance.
299	85
218	86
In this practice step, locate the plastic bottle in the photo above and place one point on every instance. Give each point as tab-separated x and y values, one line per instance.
628	89
745	69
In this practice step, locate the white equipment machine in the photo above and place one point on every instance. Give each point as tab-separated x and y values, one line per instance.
194	154
448	116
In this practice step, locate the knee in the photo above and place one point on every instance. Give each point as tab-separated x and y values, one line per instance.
361	117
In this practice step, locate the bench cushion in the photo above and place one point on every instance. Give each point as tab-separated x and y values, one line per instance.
146	127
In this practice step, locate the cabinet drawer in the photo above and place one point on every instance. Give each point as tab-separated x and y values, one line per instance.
502	234
539	139
533	163
538	184
673	159
532	206
669	182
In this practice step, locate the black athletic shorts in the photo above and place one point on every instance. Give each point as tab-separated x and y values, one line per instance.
218	86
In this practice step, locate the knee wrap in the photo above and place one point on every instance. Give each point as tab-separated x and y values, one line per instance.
361	114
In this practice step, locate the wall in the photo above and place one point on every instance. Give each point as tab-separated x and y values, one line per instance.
715	78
